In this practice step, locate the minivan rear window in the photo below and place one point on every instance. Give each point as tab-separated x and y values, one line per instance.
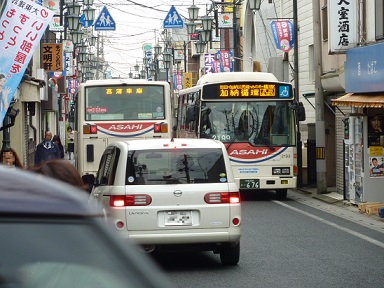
175	166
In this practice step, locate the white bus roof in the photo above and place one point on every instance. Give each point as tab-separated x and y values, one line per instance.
230	77
122	81
236	76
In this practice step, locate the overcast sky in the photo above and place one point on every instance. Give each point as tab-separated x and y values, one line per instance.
137	22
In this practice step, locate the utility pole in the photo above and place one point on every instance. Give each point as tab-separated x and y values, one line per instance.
236	52
319	102
296	68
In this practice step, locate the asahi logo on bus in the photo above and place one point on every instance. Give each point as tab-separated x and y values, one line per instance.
244	151
250	152
124	127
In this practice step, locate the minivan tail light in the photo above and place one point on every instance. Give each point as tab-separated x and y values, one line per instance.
130	200
222	198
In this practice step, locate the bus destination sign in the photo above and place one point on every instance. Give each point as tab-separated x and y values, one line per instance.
256	90
247	90
124	90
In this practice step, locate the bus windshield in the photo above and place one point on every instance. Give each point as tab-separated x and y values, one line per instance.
124	102
258	123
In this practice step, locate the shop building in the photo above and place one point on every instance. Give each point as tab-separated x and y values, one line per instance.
364	124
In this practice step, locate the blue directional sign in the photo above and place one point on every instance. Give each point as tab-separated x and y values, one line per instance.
105	21
173	19
84	23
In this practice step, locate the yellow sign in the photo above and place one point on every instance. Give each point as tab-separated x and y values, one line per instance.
52	57
375	150
187	80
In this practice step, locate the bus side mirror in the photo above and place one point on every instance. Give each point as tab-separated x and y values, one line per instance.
191	113
301	112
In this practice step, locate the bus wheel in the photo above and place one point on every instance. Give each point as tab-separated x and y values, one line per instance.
230	255
281	194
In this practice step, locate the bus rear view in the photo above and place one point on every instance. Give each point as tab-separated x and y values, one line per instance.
115	109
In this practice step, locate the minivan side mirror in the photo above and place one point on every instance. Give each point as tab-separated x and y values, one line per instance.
89	181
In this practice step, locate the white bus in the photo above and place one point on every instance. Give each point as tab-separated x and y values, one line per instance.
118	109
255	116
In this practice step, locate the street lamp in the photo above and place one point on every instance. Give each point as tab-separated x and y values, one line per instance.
158	49
254	4
191	27
193	12
154	68
200	46
207	22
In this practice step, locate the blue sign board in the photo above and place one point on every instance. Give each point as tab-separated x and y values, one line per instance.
364	69
84	23
173	19
105	21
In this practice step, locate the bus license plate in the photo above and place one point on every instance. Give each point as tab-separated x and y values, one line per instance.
249	184
178	218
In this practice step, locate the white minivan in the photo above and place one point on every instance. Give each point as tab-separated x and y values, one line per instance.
172	194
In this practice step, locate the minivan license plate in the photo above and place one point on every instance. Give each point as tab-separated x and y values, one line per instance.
249	183
178	218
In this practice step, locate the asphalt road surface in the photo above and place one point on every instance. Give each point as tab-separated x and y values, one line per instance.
299	242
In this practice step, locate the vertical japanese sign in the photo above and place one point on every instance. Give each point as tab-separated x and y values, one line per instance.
52	57
187	79
178	82
21	28
209	63
283	34
225	60
342	25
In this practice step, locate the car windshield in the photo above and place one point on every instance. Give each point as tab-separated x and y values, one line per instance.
258	123
59	254
176	166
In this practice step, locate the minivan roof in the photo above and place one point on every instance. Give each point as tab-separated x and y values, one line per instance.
161	143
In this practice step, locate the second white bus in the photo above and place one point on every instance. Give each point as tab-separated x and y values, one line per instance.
118	109
255	116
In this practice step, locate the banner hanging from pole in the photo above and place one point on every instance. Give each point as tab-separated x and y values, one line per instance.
283	33
22	27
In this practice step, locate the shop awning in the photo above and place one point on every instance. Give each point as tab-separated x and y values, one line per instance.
370	100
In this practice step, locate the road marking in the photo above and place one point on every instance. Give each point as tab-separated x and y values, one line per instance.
349	231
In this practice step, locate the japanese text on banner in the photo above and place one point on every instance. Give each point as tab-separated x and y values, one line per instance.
21	28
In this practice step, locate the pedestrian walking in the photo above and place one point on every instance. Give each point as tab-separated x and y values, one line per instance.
71	142
61	170
47	149
9	158
57	141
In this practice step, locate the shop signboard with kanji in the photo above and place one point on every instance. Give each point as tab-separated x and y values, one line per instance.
52	57
342	25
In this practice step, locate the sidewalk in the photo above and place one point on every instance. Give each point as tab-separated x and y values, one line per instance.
334	198
330	197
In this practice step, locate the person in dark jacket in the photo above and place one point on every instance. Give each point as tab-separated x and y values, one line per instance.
57	141
47	149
